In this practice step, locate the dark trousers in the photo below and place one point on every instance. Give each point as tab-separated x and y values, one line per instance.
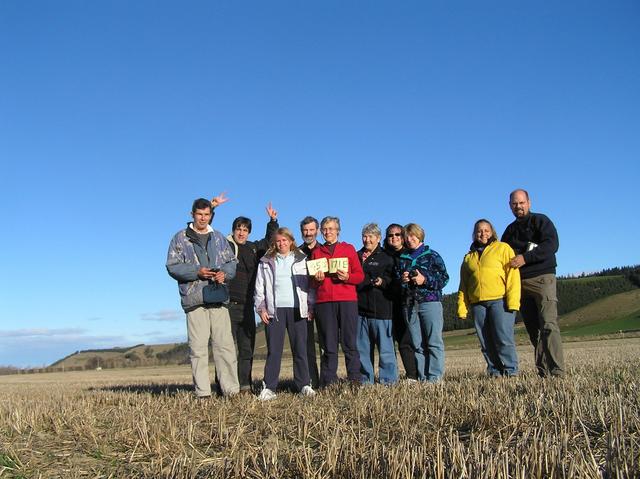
243	328
286	319
405	347
311	354
338	319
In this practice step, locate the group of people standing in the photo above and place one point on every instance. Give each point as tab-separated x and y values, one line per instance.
386	292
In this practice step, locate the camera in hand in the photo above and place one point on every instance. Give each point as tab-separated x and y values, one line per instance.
413	273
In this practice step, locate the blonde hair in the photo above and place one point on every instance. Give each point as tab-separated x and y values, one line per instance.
273	247
414	229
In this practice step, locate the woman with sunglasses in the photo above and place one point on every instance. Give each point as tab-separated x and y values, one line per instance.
394	246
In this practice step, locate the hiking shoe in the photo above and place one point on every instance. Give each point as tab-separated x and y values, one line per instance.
307	391
266	395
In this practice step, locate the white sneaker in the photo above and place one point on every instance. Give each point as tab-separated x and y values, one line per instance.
307	391
266	395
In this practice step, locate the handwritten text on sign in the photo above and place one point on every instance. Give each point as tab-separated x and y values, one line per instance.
330	266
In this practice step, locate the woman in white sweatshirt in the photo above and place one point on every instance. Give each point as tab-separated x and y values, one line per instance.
283	302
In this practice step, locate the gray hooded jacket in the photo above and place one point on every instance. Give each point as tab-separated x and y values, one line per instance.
185	258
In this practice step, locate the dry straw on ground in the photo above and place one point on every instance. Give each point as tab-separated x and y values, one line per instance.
129	424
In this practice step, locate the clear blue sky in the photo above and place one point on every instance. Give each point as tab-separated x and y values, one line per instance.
115	115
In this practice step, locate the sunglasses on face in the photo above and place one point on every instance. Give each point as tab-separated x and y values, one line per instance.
397	235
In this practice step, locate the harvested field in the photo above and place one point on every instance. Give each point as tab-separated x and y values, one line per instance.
146	423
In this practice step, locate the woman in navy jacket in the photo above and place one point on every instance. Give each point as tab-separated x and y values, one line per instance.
375	308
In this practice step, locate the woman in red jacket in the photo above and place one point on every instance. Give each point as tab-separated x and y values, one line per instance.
336	304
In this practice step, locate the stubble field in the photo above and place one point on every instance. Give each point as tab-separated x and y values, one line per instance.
146	423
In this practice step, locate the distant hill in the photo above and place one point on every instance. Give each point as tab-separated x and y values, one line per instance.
138	355
602	303
614	315
573	293
85	352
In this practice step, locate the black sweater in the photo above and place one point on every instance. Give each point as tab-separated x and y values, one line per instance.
241	287
395	289
538	229
375	301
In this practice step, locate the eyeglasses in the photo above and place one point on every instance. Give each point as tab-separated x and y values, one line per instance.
397	235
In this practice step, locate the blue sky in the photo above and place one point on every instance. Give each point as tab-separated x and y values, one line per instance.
115	115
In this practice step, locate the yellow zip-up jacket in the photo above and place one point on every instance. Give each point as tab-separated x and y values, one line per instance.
488	277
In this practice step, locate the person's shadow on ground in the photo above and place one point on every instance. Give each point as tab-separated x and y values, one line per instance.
152	389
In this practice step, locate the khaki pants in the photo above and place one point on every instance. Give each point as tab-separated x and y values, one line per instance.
539	310
212	323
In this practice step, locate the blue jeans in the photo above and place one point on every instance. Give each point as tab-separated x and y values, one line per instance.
425	323
371	333
494	327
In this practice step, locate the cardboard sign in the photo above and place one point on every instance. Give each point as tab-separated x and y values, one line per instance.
336	264
315	265
331	266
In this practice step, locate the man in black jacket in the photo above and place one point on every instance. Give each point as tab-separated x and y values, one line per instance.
534	239
241	290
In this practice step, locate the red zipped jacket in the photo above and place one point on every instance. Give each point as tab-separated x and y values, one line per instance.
333	289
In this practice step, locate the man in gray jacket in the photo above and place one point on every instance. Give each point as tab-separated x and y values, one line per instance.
201	260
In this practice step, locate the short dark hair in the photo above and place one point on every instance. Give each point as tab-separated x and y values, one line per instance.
309	219
241	221
200	204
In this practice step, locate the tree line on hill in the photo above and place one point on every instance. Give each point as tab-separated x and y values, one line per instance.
178	354
101	351
632	273
574	292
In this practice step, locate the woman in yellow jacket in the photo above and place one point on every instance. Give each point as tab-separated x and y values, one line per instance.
490	289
